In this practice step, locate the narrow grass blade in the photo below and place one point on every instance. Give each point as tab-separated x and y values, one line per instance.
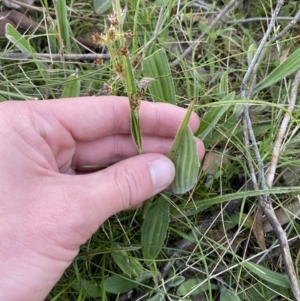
154	228
25	47
72	86
157	66
289	66
63	23
186	164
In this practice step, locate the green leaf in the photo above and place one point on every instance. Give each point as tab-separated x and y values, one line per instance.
129	265
203	204
154	228
18	40
191	287
289	66
186	164
118	284
72	86
63	23
135	129
156	66
184	155
228	295
279	279
25	47
263	291
157	297
212	117
175	281
101	6
251	53
223	88
88	288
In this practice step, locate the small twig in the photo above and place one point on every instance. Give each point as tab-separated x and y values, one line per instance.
264	200
53	57
218	18
281	133
294	21
259	19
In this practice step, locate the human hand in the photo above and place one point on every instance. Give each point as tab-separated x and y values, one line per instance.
46	210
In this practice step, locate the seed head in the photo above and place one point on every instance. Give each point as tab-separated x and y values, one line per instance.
119	68
113	20
98	62
111	34
107	89
98	39
128	34
124	50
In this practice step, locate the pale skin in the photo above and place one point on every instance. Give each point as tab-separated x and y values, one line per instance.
49	204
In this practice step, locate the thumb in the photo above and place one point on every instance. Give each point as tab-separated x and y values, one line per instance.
128	183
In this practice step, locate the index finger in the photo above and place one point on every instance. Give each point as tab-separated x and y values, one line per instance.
88	118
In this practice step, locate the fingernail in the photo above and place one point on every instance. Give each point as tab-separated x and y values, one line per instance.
162	172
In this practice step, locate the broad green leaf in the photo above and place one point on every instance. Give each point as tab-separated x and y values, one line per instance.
154	228
175	281
228	295
129	265
63	23
212	117
289	66
184	155
72	86
157	297
263	291
191	287
156	66
278	279
101	6
180	133
186	164
88	288
118	284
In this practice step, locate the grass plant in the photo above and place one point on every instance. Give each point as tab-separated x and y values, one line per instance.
211	244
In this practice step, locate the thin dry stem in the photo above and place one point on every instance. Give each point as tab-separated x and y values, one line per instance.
282	130
294	21
265	201
218	18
